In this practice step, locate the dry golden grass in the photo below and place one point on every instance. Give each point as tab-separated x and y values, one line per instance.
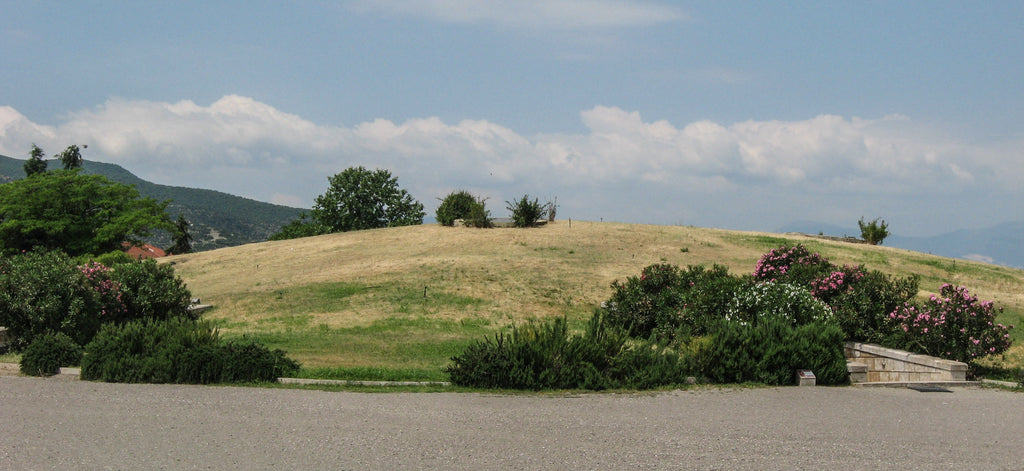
354	279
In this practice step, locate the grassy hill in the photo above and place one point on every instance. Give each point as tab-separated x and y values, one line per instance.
218	219
398	303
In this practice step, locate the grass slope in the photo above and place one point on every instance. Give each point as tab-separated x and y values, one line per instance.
397	303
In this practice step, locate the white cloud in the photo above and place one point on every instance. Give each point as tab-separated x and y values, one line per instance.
541	14
646	169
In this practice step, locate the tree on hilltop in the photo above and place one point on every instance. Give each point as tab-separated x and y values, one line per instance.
35	164
360	199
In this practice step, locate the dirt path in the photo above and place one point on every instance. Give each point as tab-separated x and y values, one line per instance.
59	424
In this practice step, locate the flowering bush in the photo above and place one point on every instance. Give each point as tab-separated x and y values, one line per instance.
42	292
952	325
790	303
859	298
108	291
45	292
796	265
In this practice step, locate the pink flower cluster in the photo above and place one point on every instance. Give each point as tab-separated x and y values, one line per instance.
953	325
776	262
837	282
109	291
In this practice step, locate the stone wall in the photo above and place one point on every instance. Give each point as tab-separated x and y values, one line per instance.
872	363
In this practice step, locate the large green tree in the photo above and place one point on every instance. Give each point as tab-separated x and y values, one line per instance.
360	199
76	213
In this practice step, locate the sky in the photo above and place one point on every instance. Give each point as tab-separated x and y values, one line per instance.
735	115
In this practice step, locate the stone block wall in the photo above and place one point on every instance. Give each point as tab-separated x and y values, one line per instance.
891	365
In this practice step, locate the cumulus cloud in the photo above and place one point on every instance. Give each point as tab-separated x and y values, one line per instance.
242	146
541	14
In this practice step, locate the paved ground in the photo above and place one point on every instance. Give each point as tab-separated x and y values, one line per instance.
60	424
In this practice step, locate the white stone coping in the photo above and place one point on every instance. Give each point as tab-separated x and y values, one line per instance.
924	360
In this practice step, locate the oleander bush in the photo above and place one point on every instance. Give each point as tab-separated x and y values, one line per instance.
667	302
151	290
861	299
771	299
953	324
47	291
48	353
178	350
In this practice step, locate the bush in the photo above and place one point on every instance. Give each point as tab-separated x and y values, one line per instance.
952	325
178	350
545	356
150	290
771	351
48	353
457	205
863	299
860	299
873	232
478	216
789	303
526	213
666	301
43	292
795	265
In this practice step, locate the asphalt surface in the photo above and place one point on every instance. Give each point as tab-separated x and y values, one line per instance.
60	424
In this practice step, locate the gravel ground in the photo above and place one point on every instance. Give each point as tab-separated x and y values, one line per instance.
55	423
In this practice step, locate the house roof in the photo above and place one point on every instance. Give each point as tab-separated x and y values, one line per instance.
143	251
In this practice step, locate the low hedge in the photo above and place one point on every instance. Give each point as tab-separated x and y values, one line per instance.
178	351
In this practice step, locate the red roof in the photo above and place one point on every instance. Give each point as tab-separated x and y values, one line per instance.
143	251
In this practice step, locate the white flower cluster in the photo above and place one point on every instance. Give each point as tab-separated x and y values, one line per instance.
779	300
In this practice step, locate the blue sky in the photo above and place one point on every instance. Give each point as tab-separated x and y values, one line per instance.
738	115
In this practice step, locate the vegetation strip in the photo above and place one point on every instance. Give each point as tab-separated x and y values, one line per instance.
343	382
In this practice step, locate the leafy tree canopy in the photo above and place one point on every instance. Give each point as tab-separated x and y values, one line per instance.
76	213
71	157
35	163
360	199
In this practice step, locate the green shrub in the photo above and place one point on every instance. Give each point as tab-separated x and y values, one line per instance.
151	290
772	350
48	353
457	205
873	232
478	216
43	291
526	213
545	356
665	301
116	257
178	350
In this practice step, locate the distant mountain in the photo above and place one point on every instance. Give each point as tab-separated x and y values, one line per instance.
218	219
1001	244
